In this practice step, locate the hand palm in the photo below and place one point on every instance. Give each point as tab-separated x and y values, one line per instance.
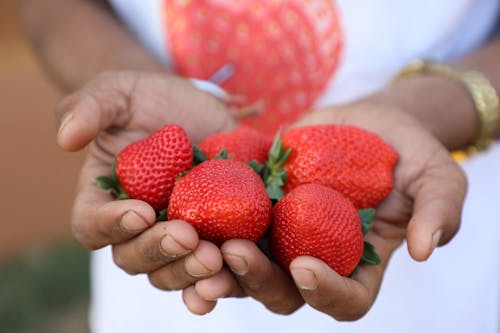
116	109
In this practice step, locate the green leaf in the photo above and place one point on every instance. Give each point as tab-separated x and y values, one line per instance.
366	216
162	215
370	257
222	155
106	183
276	148
256	166
283	157
112	184
274	191
198	155
122	195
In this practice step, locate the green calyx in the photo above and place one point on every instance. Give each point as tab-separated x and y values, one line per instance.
200	157
256	166
112	184
366	216
370	256
274	175
162	215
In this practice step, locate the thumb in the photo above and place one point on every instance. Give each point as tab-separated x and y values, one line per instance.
100	104
439	196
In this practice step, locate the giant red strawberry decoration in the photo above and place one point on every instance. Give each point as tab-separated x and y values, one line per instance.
241	144
314	220
147	169
222	199
355	162
280	54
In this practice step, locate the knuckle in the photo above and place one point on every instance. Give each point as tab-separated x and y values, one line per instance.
170	277
159	281
352	316
283	308
121	262
353	313
149	251
81	234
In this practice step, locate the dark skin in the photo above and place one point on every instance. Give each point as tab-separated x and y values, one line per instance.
105	112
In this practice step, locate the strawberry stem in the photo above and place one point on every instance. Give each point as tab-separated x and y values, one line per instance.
274	175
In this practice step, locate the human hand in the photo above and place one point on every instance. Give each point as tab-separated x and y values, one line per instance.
110	112
424	207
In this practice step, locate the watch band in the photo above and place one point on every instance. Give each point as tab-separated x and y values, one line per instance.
483	94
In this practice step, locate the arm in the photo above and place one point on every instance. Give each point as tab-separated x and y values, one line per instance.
447	109
77	39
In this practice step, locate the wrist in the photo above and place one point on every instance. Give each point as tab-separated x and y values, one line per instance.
442	105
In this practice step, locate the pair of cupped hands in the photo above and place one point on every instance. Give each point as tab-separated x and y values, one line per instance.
117	108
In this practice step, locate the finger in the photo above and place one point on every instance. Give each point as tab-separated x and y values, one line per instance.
325	290
97	220
205	261
102	103
195	303
260	278
154	248
222	284
341	297
439	196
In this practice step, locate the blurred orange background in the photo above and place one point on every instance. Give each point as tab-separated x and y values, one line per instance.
37	178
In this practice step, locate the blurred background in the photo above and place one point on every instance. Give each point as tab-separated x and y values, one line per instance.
44	280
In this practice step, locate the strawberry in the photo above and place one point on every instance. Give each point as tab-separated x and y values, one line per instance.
222	199
357	163
280	54
147	169
242	144
314	220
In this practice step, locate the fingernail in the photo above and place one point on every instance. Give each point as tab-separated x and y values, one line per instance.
64	123
237	264
436	237
195	268
132	222
304	278
172	247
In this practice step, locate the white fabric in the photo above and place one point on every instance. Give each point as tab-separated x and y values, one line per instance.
456	290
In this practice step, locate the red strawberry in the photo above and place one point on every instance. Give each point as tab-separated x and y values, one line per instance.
357	163
314	220
242	144
222	199
147	169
